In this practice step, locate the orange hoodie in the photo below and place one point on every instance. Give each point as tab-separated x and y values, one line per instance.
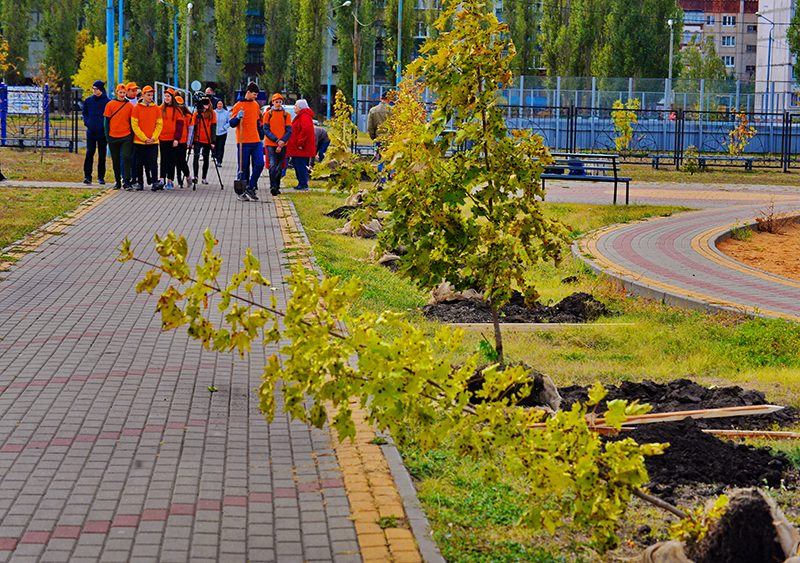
146	122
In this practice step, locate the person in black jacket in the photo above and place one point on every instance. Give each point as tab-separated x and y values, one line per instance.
93	108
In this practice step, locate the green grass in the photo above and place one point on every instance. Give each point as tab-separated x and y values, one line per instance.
24	210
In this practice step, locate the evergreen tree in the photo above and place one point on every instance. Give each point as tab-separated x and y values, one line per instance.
16	30
59	29
279	44
231	44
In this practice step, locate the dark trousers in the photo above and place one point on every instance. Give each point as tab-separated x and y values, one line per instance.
277	161
167	159
205	147
323	148
99	146
121	149
219	148
146	157
180	162
301	170
251	152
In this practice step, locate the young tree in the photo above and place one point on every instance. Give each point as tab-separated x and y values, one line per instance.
231	41
473	220
279	44
345	28
793	33
16	30
59	29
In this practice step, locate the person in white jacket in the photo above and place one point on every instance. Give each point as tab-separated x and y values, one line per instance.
223	124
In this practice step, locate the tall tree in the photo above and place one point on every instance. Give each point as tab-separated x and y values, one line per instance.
699	60
523	19
16	30
367	11
410	20
636	39
310	48
793	34
570	35
95	13
149	45
279	44
231	42
59	29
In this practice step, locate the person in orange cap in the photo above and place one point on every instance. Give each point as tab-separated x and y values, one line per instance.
204	123
117	122
133	90
278	131
147	123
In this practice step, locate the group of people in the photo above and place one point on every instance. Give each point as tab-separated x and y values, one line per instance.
135	130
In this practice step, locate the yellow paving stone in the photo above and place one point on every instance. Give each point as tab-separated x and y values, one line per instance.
404	544
406	556
387	510
366	528
396	535
375	555
367	505
372	540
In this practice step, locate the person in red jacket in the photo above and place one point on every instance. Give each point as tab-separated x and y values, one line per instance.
302	145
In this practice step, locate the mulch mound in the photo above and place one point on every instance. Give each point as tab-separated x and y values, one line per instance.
576	308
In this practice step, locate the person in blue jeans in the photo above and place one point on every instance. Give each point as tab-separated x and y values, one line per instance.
250	149
93	108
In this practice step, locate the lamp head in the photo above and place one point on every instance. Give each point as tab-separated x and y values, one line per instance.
189	6
346	4
758	14
669	23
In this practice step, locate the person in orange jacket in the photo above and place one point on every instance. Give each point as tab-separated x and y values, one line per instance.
247	122
147	124
278	131
204	123
117	123
173	129
180	143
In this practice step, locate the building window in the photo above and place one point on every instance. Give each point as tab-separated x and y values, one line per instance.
751	29
728	60
728	20
750	68
694	17
711	20
728	41
751	49
422	29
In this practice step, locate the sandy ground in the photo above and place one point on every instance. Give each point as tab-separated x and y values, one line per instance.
775	253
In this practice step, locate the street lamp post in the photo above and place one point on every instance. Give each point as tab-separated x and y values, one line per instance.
355	62
175	34
328	54
188	33
769	59
399	41
668	101
110	45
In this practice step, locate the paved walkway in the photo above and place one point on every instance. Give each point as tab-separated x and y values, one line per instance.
675	258
112	447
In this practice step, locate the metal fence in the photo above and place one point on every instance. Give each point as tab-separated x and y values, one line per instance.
32	116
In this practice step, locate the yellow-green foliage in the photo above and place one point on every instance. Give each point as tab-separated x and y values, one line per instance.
690	162
740	136
624	117
402	380
94	65
694	527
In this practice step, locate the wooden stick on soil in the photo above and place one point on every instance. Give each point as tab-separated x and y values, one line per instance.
703	413
772	434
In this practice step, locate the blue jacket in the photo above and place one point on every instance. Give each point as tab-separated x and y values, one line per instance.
93	108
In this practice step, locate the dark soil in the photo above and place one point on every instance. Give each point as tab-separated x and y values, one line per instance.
684	395
744	534
695	457
576	308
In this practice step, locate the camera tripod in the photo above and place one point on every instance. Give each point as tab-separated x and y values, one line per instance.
195	146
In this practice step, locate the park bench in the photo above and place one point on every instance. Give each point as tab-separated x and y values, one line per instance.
581	167
704	160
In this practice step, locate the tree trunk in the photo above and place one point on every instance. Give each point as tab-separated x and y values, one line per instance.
498	336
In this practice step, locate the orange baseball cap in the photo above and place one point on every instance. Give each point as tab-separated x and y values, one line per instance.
131	86
147	89
170	91
276	96
120	87
179	99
